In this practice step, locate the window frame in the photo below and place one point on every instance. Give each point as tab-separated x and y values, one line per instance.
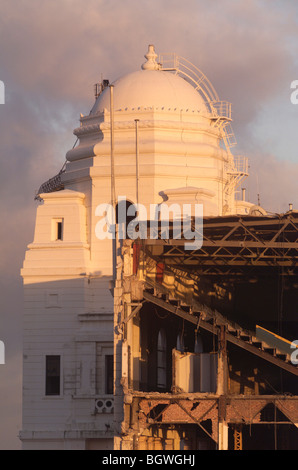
57	234
46	393
109	368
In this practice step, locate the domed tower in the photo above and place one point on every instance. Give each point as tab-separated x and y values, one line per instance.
158	134
184	137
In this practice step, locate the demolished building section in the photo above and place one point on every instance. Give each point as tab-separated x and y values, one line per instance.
198	361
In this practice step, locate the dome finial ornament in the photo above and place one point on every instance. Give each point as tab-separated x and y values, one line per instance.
151	56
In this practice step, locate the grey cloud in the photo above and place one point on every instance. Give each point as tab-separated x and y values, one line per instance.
274	180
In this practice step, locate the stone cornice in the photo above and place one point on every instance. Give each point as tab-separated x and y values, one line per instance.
145	124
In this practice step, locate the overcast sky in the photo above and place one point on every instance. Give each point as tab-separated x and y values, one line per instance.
51	54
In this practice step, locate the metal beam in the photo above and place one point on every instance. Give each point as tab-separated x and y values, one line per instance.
262	354
133	313
179	312
223	243
194	419
229	337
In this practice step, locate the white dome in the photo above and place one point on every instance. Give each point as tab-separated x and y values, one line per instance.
151	88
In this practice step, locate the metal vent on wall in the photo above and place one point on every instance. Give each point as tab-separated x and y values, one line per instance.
104	405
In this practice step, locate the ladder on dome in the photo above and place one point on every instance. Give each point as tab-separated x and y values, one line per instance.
236	167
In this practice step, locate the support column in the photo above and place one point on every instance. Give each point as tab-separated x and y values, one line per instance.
222	367
238	437
223	436
222	381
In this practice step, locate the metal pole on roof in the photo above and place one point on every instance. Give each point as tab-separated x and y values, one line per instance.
137	160
113	195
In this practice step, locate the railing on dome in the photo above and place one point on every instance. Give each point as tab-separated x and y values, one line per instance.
221	111
181	65
236	169
229	135
53	184
237	166
241	164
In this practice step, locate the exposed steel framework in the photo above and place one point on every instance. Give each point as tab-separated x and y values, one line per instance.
239	247
236	245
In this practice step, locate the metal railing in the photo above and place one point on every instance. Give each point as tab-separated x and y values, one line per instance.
191	72
241	164
222	109
53	184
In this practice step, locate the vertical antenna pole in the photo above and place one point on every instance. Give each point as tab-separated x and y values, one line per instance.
113	195
137	160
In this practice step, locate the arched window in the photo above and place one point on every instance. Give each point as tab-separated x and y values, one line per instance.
161	359
198	344
180	343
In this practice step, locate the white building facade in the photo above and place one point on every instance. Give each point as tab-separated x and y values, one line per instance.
169	140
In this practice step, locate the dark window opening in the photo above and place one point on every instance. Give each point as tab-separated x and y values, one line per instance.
53	375
161	360
122	219
109	372
59	231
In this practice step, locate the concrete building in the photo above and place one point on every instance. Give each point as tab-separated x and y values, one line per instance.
98	350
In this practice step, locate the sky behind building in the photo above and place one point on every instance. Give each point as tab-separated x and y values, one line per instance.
52	53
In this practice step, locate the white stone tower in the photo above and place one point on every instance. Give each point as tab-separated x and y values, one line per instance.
183	148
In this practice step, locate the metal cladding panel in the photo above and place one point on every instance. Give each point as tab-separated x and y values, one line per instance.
208	372
196	372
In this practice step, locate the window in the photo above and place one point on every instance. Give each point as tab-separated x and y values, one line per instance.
180	343
104	369
52	299
53	368
57	229
109	372
161	360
